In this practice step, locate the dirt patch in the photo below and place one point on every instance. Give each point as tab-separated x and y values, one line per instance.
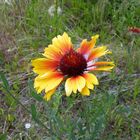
7	47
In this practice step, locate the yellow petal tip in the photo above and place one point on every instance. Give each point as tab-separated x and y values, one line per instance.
95	36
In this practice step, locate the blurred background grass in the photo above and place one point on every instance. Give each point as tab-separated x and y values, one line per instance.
26	28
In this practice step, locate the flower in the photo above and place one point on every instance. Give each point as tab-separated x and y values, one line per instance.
9	2
62	62
27	125
134	29
52	9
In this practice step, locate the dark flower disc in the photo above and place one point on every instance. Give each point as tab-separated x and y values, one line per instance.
73	63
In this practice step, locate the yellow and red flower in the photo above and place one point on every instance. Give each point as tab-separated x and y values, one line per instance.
62	62
134	30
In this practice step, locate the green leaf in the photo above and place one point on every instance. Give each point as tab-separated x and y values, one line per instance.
33	93
136	89
36	96
33	111
4	80
1	111
10	117
3	136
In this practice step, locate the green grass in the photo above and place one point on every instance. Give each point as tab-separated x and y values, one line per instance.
112	110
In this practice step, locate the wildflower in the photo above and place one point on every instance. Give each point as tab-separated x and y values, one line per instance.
75	66
134	30
27	125
9	2
52	10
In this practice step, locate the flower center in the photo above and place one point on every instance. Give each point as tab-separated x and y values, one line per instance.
72	63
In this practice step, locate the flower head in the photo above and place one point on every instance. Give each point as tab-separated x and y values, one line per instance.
134	30
27	125
52	9
62	62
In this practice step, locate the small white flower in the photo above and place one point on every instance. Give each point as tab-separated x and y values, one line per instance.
52	9
9	2
27	125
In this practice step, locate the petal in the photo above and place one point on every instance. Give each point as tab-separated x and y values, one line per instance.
43	65
89	85
52	53
85	91
63	42
49	94
68	87
86	46
102	63
98	52
80	82
103	68
74	84
91	78
60	45
48	81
